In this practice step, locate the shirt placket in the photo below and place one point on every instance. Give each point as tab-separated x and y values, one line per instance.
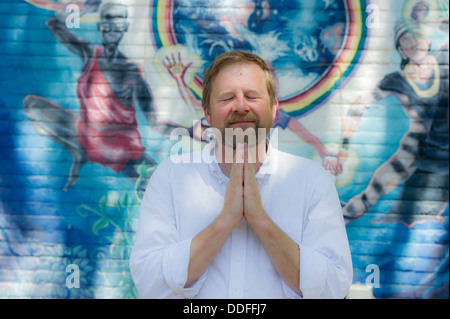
237	261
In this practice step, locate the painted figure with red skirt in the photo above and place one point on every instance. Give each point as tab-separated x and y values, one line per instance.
105	130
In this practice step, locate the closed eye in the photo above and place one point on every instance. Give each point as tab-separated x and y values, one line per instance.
227	98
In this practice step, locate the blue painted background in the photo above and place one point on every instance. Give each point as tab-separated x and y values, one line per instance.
43	229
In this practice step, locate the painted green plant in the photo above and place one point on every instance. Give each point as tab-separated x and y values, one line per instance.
115	224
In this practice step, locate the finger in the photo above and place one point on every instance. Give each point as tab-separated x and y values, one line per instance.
252	197
251	153
249	169
333	169
237	172
339	169
166	63
239	153
328	168
248	161
237	168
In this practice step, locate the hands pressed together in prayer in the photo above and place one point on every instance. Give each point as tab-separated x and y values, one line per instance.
242	197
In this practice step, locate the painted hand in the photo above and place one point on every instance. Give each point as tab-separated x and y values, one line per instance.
332	164
176	67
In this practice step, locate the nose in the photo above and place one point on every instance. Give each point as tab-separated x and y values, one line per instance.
240	106
414	41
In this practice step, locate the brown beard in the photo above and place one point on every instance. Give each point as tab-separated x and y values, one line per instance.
233	118
249	117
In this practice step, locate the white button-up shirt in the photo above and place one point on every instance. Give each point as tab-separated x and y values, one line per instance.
186	194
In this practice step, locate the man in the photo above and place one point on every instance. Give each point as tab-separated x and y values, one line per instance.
264	225
105	131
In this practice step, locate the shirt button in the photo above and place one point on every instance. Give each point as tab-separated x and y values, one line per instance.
238	259
235	294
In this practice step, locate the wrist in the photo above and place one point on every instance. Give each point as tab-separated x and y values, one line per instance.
225	222
329	155
261	223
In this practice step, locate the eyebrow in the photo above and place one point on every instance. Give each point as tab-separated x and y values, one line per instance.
225	92
114	15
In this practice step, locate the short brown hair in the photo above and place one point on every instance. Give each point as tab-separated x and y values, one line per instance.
229	58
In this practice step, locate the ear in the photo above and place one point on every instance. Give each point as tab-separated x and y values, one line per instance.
207	115
400	51
274	109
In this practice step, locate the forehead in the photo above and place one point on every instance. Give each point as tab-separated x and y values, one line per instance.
411	35
240	72
114	12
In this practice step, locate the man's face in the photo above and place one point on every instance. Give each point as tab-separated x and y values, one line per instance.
239	99
113	24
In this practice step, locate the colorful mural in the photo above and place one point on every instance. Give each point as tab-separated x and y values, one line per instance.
92	90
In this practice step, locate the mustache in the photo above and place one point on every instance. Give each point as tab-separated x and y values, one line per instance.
249	117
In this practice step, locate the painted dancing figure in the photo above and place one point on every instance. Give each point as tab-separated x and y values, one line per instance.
105	130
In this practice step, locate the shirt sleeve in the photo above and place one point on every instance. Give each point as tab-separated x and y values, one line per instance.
325	261
159	260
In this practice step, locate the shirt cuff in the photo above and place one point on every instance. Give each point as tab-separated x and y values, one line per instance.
175	267
313	272
289	292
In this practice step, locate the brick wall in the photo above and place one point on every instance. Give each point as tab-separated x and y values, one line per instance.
328	57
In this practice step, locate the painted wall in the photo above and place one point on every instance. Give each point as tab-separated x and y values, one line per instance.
361	84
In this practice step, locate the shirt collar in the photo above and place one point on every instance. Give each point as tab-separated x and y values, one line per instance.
267	168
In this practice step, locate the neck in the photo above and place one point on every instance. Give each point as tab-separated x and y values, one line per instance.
110	52
226	156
